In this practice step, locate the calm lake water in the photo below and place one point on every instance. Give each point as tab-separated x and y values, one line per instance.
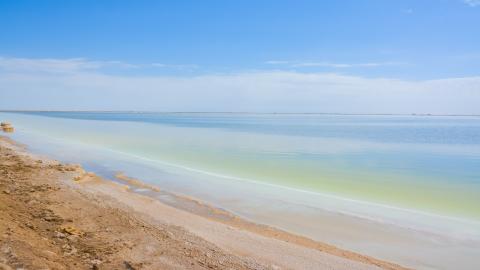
293	170
424	163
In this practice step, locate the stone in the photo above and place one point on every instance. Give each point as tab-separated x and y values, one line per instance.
128	265
72	238
59	235
71	230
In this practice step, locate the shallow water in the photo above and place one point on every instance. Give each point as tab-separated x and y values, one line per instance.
417	172
423	163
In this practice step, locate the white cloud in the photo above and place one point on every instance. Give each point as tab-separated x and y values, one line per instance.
75	65
333	65
271	91
276	62
57	65
472	3
180	66
342	65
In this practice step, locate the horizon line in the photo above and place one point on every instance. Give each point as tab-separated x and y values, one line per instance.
239	112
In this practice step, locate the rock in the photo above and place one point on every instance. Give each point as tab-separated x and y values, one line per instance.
69	250
6	191
30	202
59	235
128	266
8	129
71	230
70	168
96	261
6	250
49	218
72	238
73	251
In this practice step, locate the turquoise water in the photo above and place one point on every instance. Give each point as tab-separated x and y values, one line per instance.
424	163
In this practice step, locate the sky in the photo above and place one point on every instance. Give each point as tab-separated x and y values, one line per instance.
369	56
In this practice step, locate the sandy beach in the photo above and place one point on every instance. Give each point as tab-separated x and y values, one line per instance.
57	216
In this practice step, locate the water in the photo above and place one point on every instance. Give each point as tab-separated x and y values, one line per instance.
423	163
417	172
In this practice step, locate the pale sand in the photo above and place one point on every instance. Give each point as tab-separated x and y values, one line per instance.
200	208
258	246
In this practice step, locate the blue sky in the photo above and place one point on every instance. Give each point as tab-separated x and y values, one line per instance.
239	52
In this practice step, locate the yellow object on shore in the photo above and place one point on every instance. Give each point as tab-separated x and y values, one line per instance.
7	127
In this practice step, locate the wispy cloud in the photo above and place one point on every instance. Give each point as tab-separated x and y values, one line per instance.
48	65
344	65
177	66
261	91
75	65
276	62
332	65
472	3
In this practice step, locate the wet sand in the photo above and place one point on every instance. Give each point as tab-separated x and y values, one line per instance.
58	216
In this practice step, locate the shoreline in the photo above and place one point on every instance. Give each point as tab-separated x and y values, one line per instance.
248	113
464	220
417	228
197	207
201	218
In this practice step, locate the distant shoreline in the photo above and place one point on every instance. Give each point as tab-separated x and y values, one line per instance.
240	113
